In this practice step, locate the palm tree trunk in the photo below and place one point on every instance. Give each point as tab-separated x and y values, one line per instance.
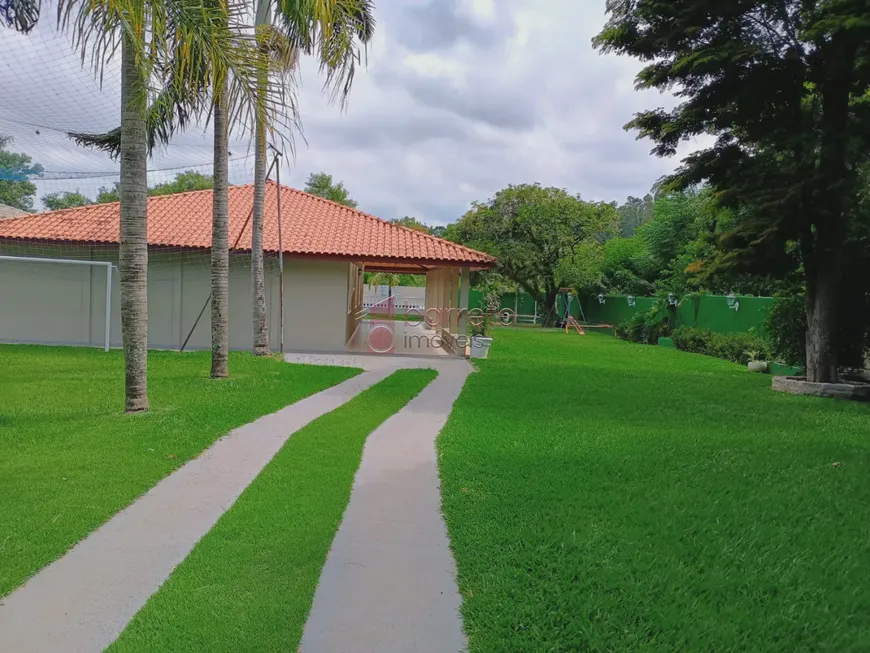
258	273
220	244
262	16
133	249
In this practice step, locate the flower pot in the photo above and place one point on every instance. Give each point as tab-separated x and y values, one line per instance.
757	366
480	346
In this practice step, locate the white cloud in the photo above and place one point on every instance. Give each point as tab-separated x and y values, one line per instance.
459	99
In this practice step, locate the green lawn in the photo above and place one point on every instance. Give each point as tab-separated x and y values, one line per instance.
71	458
248	585
606	496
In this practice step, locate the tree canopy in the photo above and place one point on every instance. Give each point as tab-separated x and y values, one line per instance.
183	182
783	86
322	185
412	223
65	200
635	212
542	237
392	279
438	230
106	194
16	169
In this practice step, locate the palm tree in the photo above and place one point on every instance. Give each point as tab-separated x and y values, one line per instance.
263	20
182	46
330	30
276	53
220	241
133	248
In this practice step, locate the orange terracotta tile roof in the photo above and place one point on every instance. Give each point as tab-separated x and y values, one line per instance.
311	226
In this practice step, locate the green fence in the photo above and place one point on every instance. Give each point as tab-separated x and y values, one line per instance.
712	311
523	305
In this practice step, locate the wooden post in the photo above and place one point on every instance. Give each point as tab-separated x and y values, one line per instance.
463	301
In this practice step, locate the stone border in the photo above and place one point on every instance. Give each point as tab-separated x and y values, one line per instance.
798	385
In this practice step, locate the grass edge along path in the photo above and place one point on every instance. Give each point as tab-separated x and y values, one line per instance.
71	458
248	585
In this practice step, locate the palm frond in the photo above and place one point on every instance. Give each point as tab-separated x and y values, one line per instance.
96	27
185	48
343	46
282	82
167	115
335	31
20	15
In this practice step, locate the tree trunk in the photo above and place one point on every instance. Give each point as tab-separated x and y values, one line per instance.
258	273
823	292
549	308
133	249
262	16
835	183
220	257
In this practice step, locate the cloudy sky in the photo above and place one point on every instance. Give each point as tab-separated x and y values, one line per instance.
459	99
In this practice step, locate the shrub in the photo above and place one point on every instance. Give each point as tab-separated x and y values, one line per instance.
621	330
786	329
735	347
645	327
691	339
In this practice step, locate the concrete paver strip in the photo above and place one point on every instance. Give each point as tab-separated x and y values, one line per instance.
389	583
82	602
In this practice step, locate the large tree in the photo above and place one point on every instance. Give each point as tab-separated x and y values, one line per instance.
783	86
635	212
65	200
540	236
322	185
16	169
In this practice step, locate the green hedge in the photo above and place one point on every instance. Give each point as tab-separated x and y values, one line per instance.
730	346
646	326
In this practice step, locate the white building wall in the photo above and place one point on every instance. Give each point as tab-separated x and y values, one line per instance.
45	303
315	304
65	304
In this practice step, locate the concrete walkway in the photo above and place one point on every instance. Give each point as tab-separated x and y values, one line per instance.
82	602
389	583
